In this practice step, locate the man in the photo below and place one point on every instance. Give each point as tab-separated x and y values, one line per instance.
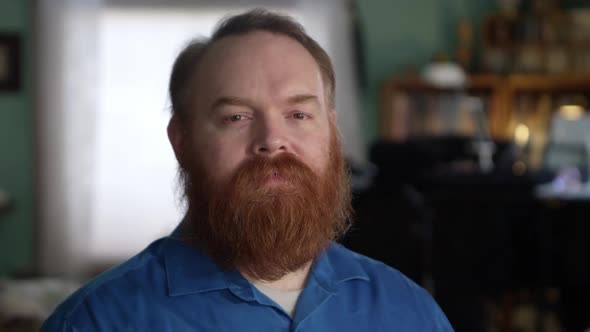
254	130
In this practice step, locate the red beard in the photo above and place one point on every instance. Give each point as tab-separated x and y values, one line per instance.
273	217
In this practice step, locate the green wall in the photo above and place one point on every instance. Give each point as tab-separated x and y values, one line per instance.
398	33
16	149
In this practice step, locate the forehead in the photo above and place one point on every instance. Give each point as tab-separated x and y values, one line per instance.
258	65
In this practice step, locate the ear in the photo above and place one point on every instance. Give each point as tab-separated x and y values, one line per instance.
332	116
177	136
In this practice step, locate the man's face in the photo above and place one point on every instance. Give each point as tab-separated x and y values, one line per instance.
258	94
261	164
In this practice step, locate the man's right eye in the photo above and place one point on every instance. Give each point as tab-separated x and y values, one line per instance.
235	118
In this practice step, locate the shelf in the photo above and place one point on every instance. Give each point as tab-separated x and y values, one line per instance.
418	85
499	93
549	83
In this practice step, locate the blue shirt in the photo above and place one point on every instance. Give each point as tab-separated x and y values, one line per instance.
171	286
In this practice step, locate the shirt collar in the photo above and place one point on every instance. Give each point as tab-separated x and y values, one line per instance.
189	270
336	265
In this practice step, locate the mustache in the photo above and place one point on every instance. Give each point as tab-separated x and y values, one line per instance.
284	166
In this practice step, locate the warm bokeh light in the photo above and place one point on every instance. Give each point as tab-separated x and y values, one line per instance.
521	134
571	112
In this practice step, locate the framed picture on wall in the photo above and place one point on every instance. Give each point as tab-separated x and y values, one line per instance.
10	71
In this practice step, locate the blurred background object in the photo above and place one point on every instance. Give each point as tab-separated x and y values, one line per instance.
481	187
465	124
25	304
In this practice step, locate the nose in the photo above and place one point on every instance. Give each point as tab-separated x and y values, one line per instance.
270	138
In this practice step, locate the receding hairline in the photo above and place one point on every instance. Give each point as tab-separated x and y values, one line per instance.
210	55
209	45
187	64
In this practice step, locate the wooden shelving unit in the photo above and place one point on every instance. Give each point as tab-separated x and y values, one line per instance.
500	94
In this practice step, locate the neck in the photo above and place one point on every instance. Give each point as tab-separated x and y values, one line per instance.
290	282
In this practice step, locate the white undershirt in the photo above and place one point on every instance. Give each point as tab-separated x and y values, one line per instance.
286	299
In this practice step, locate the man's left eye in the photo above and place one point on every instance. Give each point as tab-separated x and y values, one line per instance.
236	118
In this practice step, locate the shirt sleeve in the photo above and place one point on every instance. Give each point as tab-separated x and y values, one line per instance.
439	319
441	322
57	322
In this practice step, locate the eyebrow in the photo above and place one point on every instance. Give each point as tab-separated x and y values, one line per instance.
231	101
237	101
302	99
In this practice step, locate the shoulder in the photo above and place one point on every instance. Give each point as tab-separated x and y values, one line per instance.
391	289
377	272
114	289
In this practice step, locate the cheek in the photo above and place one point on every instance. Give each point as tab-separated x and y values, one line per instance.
219	156
317	150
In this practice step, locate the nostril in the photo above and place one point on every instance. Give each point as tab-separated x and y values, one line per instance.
269	148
